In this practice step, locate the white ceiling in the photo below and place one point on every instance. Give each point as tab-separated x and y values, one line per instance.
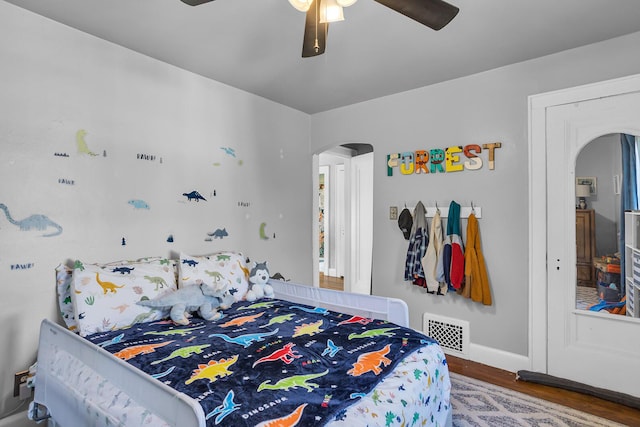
255	45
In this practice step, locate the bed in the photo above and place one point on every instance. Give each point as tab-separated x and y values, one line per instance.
308	356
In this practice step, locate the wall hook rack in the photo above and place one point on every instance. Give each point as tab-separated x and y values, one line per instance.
465	211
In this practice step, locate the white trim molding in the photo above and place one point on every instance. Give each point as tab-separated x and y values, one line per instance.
500	359
538	105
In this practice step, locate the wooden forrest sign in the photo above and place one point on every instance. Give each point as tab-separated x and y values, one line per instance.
438	160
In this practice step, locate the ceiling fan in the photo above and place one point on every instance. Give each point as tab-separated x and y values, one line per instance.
434	14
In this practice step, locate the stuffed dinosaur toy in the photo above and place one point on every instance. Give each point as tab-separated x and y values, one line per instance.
258	278
191	298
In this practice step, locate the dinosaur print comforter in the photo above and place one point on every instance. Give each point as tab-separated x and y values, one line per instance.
278	363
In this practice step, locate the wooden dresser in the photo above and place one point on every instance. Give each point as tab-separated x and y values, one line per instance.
585	246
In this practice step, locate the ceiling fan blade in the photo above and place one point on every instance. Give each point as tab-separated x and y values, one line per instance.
432	13
195	2
315	33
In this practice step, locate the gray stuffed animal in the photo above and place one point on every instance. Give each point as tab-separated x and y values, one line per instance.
258	277
191	298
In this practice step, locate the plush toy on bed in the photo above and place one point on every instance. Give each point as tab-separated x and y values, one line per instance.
258	278
199	298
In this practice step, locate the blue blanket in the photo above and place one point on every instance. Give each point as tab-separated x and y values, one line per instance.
268	360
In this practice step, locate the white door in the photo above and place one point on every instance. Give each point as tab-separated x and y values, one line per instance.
340	220
594	348
362	220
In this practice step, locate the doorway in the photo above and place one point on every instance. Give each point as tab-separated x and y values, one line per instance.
343	227
562	124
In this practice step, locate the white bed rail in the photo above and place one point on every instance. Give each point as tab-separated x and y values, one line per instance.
68	405
392	309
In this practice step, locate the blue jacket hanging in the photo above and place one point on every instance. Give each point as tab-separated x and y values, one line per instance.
451	263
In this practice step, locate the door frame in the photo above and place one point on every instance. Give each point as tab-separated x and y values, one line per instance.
351	253
538	105
327	215
361	239
341	219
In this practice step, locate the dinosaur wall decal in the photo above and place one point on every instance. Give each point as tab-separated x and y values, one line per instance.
33	222
83	148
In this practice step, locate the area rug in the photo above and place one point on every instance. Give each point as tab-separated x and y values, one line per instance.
478	403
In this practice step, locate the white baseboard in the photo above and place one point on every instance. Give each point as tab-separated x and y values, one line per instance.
498	358
17	420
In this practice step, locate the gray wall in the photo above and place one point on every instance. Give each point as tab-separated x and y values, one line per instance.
483	108
57	81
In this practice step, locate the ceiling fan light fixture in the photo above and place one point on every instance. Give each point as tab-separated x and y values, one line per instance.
345	3
330	11
301	5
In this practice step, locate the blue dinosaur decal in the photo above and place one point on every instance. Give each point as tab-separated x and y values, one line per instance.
190	262
139	204
318	310
112	341
230	151
227	407
331	349
245	340
37	222
123	270
194	195
219	233
163	374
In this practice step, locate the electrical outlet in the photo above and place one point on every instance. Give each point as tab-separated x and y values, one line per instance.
26	392
393	212
20	380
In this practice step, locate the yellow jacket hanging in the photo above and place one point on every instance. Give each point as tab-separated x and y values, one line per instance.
476	284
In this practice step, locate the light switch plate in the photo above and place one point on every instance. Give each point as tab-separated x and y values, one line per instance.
393	212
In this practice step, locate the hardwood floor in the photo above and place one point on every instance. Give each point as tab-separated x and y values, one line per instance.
330	282
592	405
602	408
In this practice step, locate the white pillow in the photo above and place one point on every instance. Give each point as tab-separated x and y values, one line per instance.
217	270
64	278
104	296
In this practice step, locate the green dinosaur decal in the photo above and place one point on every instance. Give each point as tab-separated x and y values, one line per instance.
217	276
83	148
185	353
157	280
182	332
279	319
223	257
374	333
78	265
266	304
293	382
141	318
416	417
389	418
